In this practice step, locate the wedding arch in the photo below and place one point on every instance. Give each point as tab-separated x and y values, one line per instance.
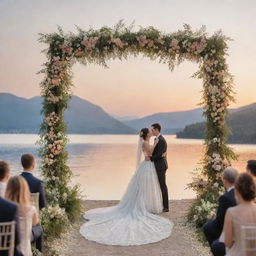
99	46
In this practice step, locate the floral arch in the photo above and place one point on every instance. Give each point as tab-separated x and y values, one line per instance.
99	46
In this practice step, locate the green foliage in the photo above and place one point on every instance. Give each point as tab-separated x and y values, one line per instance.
53	226
73	204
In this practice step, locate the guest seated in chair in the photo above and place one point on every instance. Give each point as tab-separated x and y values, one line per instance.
8	210
17	191
4	177
244	214
35	186
213	228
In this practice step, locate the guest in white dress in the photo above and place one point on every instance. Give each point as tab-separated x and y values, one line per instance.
243	214
17	191
4	177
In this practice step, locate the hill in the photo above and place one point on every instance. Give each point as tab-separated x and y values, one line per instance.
170	121
20	115
242	123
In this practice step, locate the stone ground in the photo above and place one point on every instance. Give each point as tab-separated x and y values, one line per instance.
182	242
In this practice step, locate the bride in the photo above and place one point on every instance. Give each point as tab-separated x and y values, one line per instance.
133	220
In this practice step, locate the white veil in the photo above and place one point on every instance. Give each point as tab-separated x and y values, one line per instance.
139	152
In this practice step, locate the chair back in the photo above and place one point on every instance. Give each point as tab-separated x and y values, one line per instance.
249	240
7	237
35	201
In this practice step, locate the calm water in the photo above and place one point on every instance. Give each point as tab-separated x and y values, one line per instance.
104	164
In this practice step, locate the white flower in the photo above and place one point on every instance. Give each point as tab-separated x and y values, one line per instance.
216	184
215	139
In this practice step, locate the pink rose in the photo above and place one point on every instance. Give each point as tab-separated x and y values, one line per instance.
150	43
56	81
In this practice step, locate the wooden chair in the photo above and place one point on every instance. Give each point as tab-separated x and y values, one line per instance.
248	235
35	201
7	237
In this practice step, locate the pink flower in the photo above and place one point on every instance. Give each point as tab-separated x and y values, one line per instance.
66	49
56	81
150	43
90	43
118	42
192	47
78	53
208	63
142	41
174	45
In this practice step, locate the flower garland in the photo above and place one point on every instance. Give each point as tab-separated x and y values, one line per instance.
99	46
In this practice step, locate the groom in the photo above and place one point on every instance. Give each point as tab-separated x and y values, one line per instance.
160	163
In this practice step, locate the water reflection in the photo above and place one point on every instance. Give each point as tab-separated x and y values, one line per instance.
104	164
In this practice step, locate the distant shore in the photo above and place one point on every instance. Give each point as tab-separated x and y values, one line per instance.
121	134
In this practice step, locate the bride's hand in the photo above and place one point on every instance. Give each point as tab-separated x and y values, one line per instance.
147	158
164	154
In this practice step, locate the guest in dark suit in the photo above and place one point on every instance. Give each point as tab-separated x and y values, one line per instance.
213	228
9	212
35	186
160	163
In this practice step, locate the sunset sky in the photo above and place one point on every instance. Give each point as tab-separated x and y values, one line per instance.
138	86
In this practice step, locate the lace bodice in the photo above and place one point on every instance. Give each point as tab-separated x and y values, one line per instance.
144	152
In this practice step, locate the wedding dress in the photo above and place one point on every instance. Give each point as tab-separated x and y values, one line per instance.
131	222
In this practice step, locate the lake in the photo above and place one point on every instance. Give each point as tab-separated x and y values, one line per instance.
104	164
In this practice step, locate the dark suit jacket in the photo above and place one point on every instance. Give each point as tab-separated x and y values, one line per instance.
9	212
159	161
225	201
35	186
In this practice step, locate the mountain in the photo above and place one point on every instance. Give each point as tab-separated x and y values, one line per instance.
20	115
241	121
171	122
124	118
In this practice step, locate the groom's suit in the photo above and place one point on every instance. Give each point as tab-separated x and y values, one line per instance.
161	167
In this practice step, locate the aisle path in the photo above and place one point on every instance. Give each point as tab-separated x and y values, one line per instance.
182	242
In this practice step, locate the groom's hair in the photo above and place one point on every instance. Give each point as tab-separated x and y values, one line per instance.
156	126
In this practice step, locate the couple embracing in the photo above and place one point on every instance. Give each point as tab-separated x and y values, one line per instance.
134	221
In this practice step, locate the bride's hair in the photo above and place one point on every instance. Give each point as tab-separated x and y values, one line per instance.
143	133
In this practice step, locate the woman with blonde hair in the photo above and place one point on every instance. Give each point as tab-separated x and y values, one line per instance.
17	191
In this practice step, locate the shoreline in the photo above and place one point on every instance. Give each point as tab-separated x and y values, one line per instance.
173	136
